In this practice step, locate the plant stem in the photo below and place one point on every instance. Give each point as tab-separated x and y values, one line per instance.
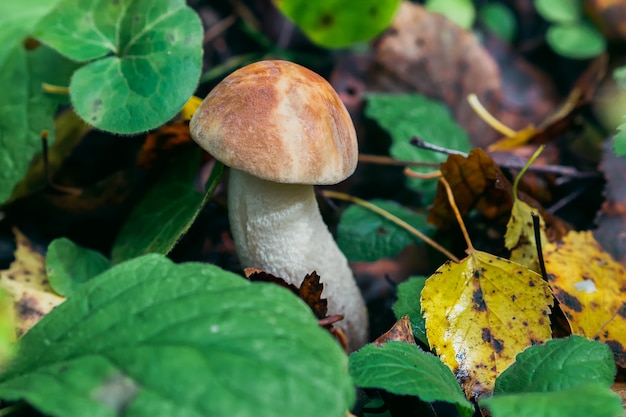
488	118
394	219
54	89
457	213
523	171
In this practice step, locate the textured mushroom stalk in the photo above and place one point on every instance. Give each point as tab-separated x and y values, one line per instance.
279	229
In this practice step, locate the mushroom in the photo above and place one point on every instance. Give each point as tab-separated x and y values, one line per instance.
281	129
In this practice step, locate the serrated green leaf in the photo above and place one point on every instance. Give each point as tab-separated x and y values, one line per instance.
499	19
579	41
363	235
559	11
337	24
405	369
69	265
167	210
619	142
149	337
461	12
145	59
408	115
586	399
25	111
409	303
557	365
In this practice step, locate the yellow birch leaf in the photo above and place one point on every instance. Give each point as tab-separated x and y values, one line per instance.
26	282
590	287
482	312
520	235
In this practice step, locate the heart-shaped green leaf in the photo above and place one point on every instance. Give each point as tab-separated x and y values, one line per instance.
145	59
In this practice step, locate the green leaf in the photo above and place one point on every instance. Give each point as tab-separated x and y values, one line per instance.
69	265
167	210
560	11
408	115
17	21
25	111
579	41
363	235
149	337
619	142
557	365
461	12
145	59
587	399
7	328
405	369
500	20
337	24
409	303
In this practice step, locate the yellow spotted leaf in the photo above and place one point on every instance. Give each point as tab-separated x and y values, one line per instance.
590	287
482	312
26	282
520	235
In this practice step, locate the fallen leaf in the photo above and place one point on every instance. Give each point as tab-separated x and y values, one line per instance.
520	230
482	312
162	141
590	287
477	183
310	291
611	221
427	53
561	120
608	15
401	331
26	282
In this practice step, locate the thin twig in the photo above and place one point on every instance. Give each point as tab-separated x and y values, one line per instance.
422	144
394	219
387	160
218	28
537	229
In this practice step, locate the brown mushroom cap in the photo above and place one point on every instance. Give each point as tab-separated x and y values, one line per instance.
280	122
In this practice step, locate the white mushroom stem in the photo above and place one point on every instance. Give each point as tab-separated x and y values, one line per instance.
279	229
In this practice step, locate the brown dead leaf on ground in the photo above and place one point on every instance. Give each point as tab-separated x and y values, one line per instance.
609	16
310	291
401	331
611	221
26	282
562	119
590	287
426	53
478	184
482	312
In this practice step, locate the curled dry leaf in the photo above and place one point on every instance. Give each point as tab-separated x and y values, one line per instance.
26	282
401	331
310	291
590	287
482	312
478	184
